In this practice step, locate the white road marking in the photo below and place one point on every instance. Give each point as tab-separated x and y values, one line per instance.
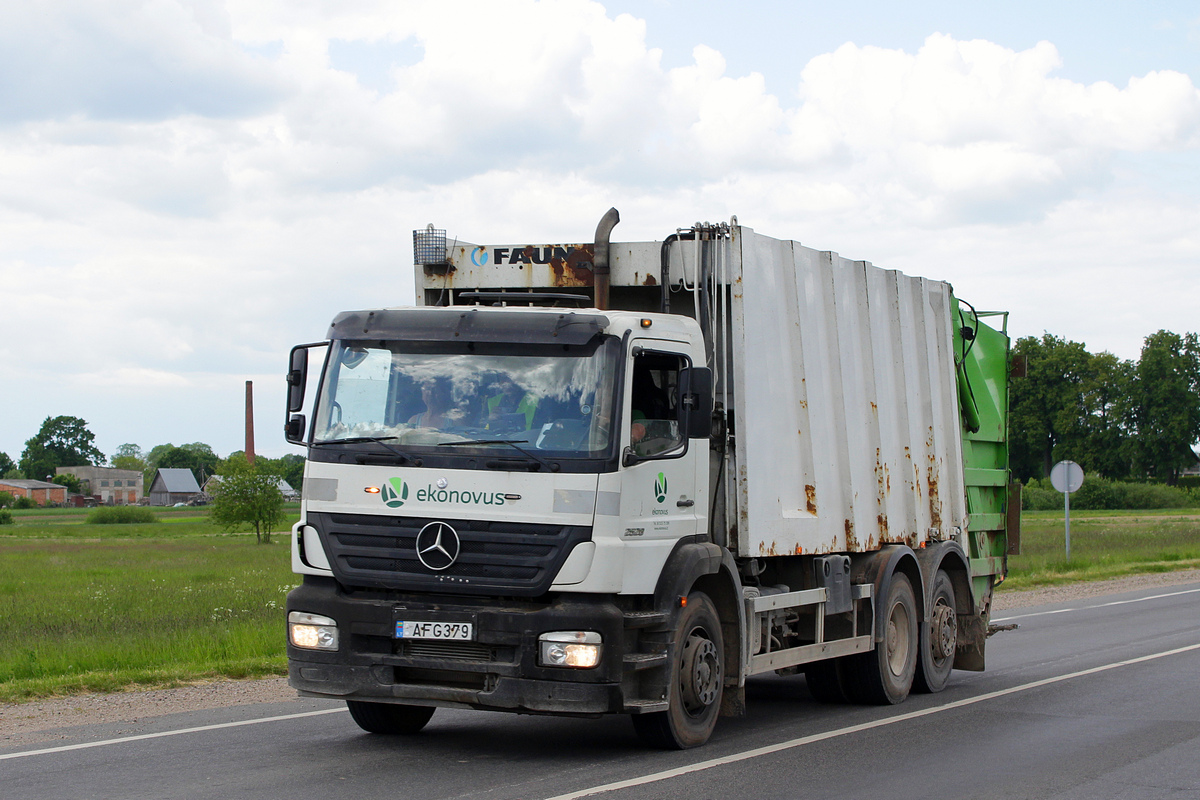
1101	605
123	739
819	737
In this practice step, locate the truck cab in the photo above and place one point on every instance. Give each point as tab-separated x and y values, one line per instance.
490	498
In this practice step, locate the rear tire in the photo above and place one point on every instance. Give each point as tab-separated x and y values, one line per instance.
825	681
885	675
696	681
389	718
939	638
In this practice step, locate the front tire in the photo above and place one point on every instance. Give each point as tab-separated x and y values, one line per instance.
696	681
389	718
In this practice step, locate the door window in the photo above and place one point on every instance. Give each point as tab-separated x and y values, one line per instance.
654	403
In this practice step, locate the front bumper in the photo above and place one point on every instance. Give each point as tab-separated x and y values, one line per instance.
498	671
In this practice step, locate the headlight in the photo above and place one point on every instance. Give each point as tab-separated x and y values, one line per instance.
312	631
579	649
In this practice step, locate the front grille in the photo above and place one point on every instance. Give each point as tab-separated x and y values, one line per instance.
495	557
461	651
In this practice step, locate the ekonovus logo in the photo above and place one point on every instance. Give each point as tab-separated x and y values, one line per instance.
479	257
395	492
660	488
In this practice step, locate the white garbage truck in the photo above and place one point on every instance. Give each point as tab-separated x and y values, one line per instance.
622	478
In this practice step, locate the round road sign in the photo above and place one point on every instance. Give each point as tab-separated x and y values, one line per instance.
1066	477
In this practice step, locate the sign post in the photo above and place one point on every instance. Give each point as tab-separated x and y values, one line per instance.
1067	477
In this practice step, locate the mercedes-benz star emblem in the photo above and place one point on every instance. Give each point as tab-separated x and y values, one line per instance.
437	546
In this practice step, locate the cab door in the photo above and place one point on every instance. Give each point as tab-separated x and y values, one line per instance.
659	490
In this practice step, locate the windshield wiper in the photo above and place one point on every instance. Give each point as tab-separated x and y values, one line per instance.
382	440
510	443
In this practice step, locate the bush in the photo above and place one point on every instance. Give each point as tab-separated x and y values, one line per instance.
1103	494
6	517
6	499
24	502
1039	498
121	515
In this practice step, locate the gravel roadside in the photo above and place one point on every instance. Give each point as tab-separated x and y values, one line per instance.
26	723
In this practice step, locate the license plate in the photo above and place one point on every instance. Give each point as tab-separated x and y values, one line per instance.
408	629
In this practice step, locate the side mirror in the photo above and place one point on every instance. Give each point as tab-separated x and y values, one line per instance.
293	431
696	401
629	458
297	377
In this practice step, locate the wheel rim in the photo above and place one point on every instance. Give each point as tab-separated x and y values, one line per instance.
699	673
898	639
945	631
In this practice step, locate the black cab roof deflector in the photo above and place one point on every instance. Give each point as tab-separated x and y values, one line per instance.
473	325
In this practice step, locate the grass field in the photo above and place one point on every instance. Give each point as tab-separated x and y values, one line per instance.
1104	544
103	607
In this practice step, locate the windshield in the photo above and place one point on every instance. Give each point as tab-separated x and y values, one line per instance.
544	398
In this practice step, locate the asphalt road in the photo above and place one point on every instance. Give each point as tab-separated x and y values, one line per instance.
1095	699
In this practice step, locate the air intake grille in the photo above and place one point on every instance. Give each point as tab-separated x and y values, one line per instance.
459	651
495	557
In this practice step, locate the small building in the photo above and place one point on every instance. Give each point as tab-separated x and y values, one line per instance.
108	485
41	492
171	486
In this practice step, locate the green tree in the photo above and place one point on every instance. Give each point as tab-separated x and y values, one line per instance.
152	458
247	497
290	467
6	500
198	457
1167	404
1071	404
6	464
1045	408
129	456
1107	399
61	442
73	484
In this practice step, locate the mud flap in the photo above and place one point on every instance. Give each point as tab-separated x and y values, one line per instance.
733	701
972	636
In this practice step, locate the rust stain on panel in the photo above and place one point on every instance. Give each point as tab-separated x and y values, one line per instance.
810	498
935	503
650	281
569	267
851	539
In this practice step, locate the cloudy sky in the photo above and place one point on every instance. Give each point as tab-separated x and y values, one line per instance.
189	187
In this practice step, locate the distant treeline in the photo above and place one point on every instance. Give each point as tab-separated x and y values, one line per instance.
1100	493
1120	420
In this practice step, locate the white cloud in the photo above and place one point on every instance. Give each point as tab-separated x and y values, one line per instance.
179	208
126	60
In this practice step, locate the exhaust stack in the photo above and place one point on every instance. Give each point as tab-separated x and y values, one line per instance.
600	263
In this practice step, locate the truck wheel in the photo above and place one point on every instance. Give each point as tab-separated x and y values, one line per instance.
825	681
885	675
696	681
389	717
939	638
